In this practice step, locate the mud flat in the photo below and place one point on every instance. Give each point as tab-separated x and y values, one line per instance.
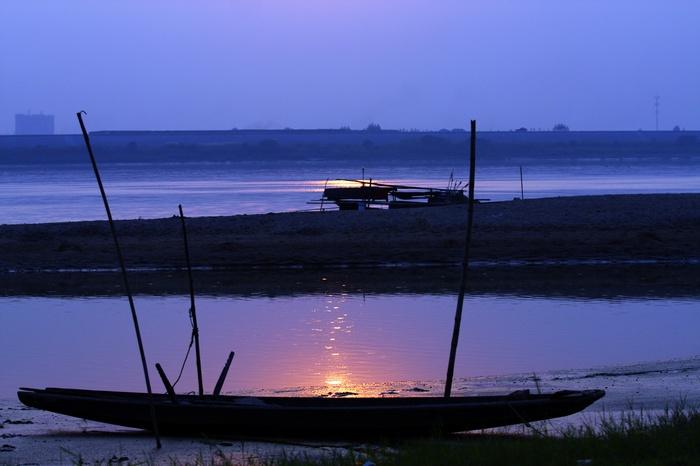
564	230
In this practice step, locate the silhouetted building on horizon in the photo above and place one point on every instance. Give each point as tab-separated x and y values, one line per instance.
34	124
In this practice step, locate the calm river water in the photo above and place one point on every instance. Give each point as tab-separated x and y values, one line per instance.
31	194
315	344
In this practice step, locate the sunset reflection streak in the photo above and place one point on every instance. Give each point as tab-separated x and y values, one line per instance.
332	366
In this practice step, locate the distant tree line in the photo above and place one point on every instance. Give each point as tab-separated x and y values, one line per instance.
428	148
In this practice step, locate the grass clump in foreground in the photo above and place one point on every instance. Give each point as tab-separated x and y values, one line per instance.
631	438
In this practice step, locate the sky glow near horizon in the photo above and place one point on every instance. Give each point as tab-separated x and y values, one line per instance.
310	64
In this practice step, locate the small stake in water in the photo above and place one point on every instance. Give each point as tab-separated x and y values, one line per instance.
522	191
222	377
324	192
166	383
465	264
127	288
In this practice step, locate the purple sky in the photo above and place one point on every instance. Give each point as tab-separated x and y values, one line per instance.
217	64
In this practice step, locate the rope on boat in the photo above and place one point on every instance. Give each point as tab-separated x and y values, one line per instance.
525	422
187	354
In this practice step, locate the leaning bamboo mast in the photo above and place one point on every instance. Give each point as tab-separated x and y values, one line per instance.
465	263
193	310
127	288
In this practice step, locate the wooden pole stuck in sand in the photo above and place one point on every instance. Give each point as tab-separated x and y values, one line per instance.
193	309
127	288
465	263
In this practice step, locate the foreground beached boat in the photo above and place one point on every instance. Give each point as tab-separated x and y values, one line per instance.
308	417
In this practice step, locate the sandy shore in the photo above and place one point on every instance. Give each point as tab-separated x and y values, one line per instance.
590	228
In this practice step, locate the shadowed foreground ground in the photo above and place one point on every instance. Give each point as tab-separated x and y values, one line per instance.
606	228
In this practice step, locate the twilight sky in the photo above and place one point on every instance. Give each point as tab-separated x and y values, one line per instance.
218	64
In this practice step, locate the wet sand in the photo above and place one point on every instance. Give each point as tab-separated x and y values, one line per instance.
36	437
620	228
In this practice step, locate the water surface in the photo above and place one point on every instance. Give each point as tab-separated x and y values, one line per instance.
315	344
35	194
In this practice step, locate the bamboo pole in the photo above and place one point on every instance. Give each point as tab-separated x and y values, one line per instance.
127	288
465	263
193	309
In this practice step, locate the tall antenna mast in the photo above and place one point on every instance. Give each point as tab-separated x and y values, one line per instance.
656	110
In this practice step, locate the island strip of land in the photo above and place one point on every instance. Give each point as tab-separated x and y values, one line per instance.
562	230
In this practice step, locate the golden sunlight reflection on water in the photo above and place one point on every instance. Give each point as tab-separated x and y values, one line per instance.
330	319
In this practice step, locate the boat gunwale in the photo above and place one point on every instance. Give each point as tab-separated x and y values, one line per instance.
320	402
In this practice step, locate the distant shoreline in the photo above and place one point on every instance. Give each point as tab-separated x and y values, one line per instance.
352	147
608	229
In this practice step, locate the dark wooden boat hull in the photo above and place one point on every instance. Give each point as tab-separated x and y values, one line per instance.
308	417
366	193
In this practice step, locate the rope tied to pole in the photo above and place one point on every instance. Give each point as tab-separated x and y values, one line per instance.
193	309
189	349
